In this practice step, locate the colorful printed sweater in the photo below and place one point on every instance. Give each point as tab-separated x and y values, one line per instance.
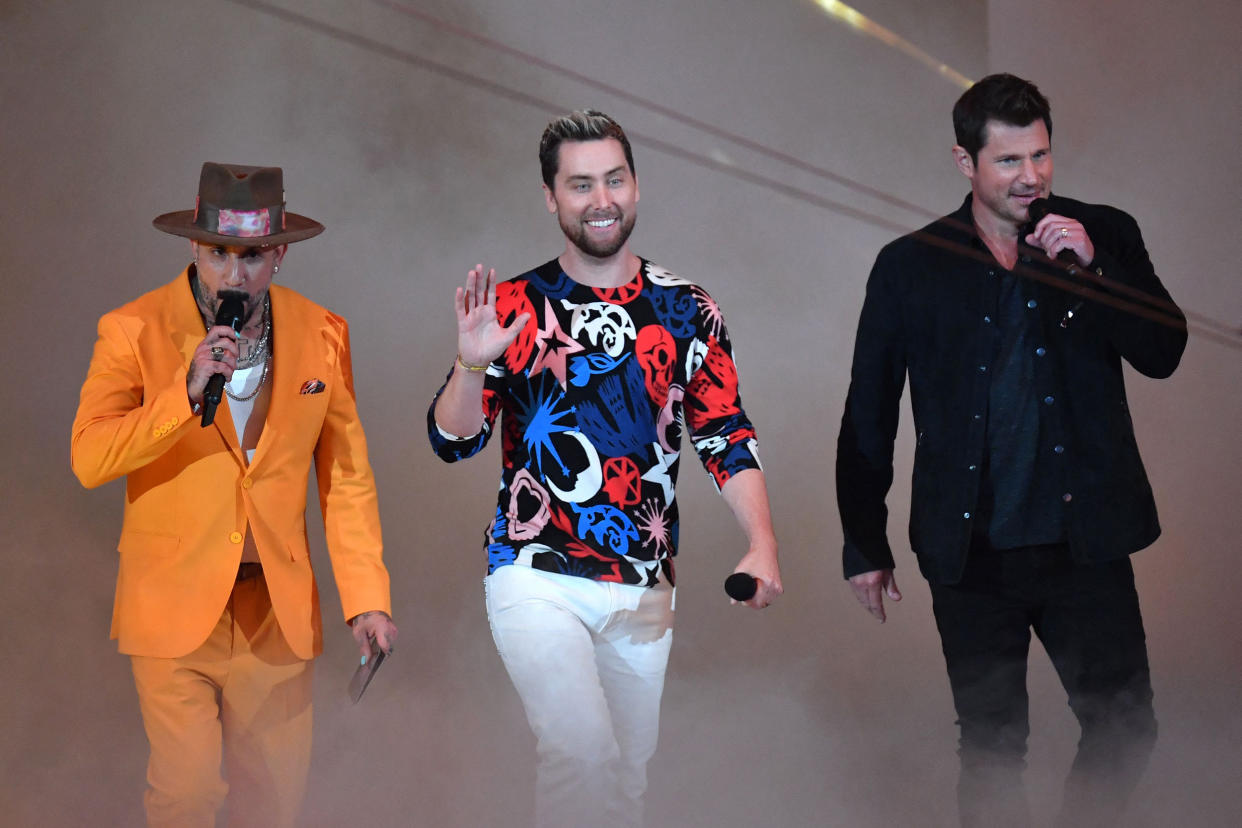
593	392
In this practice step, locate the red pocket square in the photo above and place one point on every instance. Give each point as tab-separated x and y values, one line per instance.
313	386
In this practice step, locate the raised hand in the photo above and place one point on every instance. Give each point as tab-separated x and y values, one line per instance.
1055	233
480	336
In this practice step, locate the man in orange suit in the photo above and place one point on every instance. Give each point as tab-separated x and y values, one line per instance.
216	603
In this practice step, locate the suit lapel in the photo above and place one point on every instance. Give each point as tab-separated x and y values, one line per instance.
293	355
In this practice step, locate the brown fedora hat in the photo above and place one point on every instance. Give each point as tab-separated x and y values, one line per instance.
239	206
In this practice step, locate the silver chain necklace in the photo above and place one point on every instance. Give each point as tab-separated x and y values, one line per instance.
259	350
267	364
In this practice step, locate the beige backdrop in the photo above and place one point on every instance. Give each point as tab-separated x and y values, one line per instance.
807	714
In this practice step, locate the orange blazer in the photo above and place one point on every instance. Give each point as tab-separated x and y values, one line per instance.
190	494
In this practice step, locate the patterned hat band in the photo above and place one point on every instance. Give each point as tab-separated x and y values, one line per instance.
240	206
242	224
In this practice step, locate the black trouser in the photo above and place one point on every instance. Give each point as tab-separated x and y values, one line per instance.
1087	617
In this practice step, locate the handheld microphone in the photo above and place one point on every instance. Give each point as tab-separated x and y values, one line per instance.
232	312
741	586
1037	210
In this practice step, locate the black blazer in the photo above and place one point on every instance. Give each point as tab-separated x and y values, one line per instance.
926	316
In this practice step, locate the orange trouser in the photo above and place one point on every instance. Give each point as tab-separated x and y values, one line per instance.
243	697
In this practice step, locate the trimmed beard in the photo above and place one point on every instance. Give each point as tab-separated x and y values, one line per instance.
578	236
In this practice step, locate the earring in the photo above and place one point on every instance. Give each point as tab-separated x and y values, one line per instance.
276	269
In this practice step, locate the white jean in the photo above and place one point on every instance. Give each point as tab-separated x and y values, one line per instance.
587	659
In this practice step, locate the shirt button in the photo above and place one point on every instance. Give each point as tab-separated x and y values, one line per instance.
247	483
987	320
1032	304
1026	260
1049	400
978	417
235	537
983	369
1059	449
966	515
1040	351
991	272
1067	497
971	467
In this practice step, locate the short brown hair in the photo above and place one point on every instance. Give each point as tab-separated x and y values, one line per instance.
580	125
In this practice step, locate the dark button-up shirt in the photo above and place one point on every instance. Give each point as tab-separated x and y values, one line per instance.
930	316
1022	478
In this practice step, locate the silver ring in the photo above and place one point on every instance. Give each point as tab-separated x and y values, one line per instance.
1064	231
217	353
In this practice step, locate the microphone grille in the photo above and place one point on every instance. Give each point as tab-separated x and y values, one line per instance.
741	587
1037	209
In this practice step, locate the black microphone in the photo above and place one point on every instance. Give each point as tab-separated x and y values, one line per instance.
1037	210
741	587
232	313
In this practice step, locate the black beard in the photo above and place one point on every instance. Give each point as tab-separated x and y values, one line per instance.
577	235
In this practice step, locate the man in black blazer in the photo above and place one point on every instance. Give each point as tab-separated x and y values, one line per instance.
1011	317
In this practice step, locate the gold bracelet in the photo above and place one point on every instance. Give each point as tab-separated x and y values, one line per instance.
474	369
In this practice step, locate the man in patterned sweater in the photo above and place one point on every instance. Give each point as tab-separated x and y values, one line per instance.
593	358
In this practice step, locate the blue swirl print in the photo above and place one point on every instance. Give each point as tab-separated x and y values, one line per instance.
498	555
608	525
582	368
554	287
676	309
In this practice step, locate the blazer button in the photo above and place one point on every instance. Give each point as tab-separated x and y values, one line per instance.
173	421
235	537
247	483
155	432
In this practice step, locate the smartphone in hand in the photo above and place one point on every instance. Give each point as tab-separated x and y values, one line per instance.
366	671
